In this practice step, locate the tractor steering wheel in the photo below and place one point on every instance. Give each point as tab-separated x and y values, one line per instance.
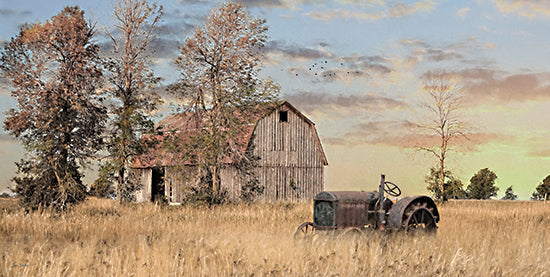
392	189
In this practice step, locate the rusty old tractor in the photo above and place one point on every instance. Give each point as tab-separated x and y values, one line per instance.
357	211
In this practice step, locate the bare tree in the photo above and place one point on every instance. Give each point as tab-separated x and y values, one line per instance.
55	73
131	78
444	100
219	66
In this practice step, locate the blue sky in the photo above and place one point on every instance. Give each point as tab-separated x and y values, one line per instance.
374	54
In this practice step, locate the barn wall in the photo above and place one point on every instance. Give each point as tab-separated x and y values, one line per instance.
291	165
145	176
290	183
231	181
177	178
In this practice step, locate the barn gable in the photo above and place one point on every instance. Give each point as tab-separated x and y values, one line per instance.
292	160
290	167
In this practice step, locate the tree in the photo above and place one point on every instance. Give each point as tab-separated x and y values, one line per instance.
509	194
130	76
103	186
55	73
482	185
453	187
219	82
542	191
444	100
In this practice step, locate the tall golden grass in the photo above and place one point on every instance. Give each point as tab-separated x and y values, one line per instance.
103	238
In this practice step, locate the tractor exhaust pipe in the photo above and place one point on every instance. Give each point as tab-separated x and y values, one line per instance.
381	212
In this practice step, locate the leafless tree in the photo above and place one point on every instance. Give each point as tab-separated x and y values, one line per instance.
131	79
443	103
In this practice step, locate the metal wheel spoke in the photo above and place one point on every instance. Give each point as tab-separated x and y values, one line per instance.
423	213
420	219
416	218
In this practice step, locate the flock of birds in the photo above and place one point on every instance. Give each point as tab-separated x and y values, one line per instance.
321	70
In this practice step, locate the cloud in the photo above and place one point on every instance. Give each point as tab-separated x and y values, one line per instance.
194	2
526	8
165	45
324	66
375	63
4	87
285	51
492	86
541	153
489	46
376	10
404	134
165	48
466	53
401	9
486	85
10	12
311	101
283	4
178	29
463	12
422	51
383	132
344	14
5	138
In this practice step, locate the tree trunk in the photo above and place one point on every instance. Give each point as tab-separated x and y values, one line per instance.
215	181
442	179
120	184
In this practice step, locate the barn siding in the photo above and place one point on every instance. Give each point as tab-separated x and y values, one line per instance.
291	165
145	176
289	154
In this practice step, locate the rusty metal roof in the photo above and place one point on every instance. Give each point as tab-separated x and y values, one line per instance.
182	125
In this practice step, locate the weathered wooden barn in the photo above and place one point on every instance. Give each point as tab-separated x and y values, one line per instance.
290	167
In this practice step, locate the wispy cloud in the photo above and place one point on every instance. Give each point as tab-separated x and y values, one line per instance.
403	9
280	50
404	134
541	153
11	12
320	64
374	10
463	12
488	85
422	51
526	8
345	14
4	87
5	138
311	101
489	46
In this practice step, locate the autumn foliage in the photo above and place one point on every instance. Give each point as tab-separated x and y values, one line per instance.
55	72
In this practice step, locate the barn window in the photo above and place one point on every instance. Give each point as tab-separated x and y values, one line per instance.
283	116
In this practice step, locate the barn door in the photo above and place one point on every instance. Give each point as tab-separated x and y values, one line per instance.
157	184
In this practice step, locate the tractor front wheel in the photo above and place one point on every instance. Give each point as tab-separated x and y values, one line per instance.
305	231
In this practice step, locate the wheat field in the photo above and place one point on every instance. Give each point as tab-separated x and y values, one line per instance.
103	238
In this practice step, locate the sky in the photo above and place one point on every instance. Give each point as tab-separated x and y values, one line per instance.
357	68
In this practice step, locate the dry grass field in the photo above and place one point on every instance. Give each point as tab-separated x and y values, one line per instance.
101	238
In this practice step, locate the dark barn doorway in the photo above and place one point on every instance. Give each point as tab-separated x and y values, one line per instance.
157	184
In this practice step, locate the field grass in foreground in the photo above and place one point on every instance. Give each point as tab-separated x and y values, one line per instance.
102	238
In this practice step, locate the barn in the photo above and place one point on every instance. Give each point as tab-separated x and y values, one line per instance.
290	166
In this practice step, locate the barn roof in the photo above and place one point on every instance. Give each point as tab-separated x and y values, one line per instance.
182	123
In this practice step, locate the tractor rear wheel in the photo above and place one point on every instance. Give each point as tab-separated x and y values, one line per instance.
419	219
